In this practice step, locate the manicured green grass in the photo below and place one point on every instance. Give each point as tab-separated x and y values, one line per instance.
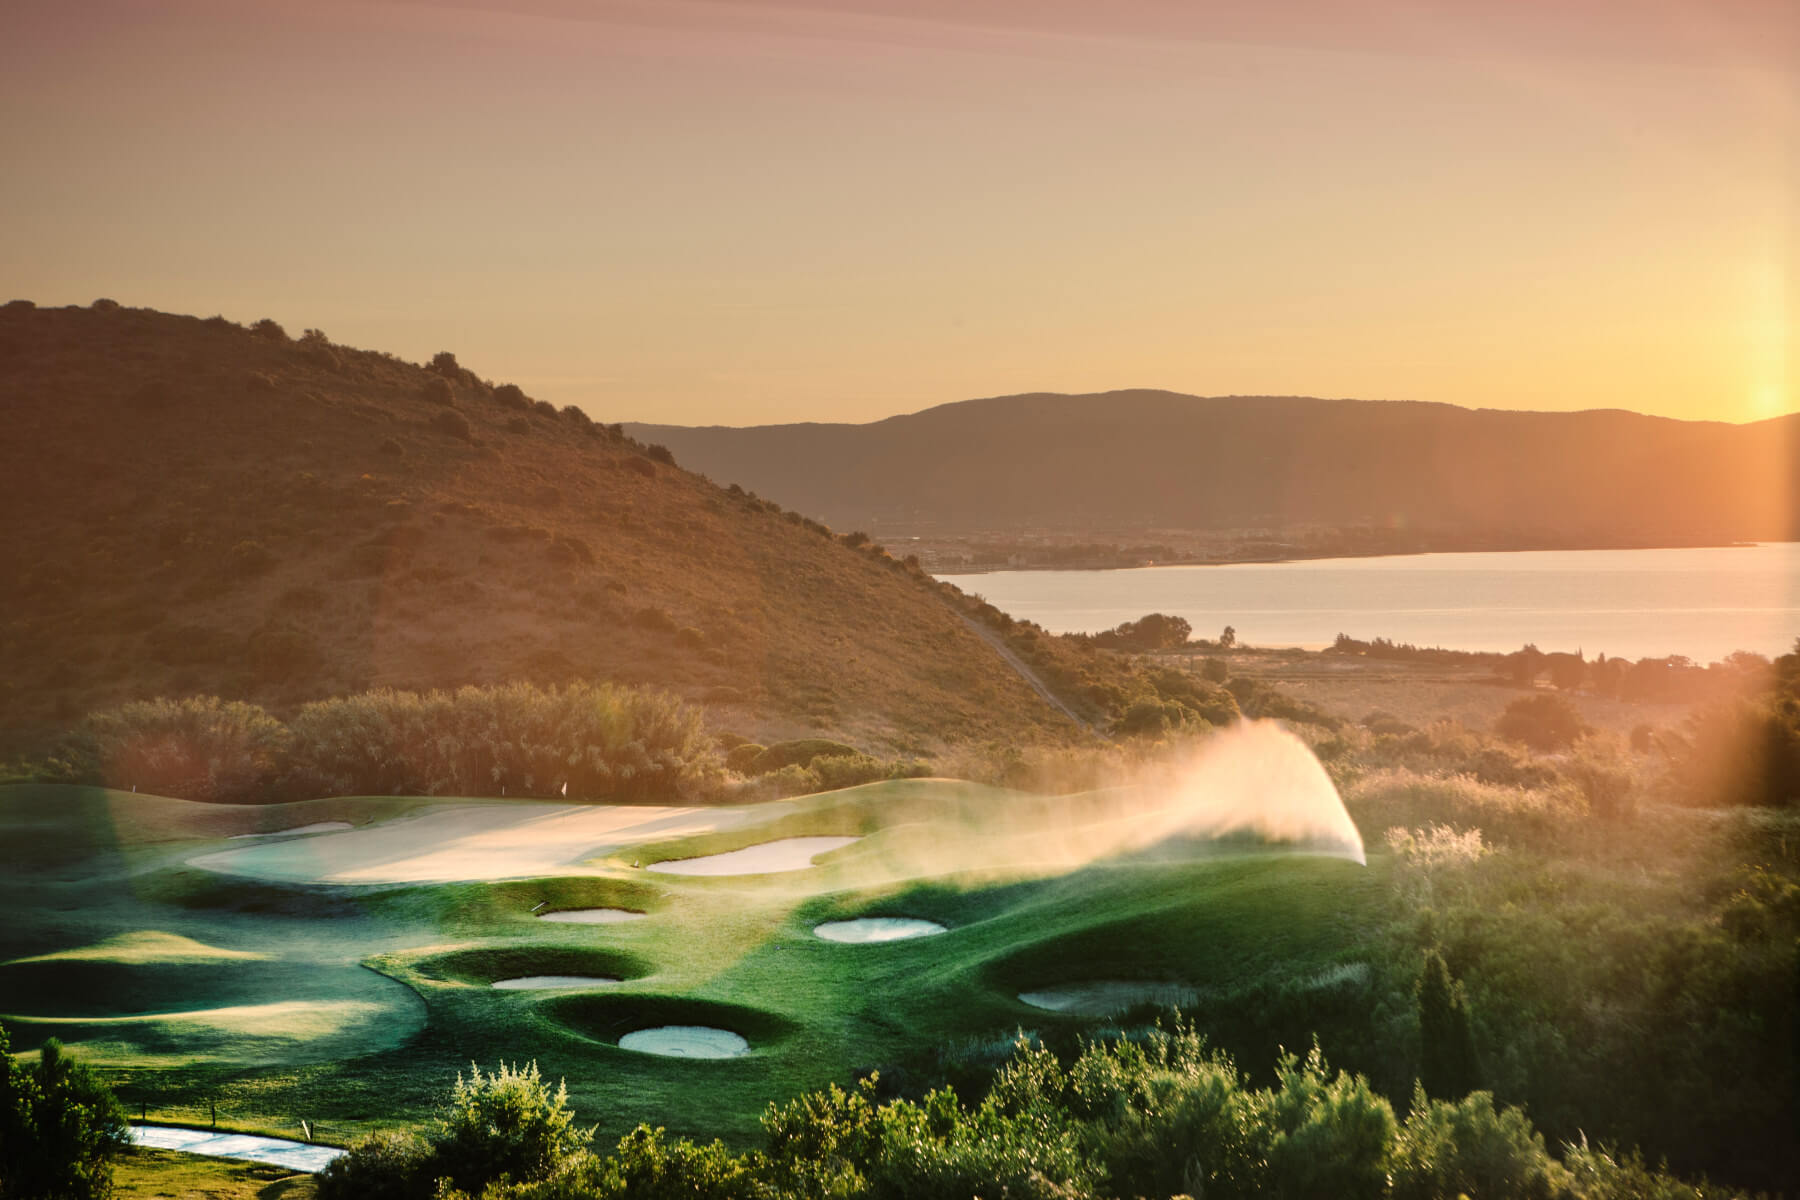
143	978
169	1175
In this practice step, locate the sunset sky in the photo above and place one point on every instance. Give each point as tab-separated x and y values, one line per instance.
706	211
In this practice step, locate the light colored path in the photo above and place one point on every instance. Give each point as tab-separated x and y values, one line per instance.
475	841
277	1152
784	854
1024	670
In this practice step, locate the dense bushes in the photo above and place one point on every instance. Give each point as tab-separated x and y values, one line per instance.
602	741
599	740
506	1125
1545	722
201	748
1157	1115
60	1128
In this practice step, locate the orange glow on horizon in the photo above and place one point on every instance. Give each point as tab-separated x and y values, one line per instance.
739	213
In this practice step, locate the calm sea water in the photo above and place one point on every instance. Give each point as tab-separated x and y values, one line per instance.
1634	603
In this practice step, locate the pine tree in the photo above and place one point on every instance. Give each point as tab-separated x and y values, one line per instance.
1447	1063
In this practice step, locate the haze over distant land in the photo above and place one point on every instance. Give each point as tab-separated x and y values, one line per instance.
1457	477
740	213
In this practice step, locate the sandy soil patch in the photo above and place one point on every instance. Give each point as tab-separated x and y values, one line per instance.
461	842
277	1152
298	830
686	1041
784	854
863	930
593	916
1101	998
545	983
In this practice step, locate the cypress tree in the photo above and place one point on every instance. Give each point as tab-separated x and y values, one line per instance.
1447	1064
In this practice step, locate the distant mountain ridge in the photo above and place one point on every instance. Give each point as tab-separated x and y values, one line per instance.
1156	459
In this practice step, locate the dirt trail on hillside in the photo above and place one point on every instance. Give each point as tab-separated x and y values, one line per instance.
1024	670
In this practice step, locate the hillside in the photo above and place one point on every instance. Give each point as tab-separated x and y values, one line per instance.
1159	460
196	506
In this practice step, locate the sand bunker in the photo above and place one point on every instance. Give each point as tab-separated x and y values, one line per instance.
277	1152
472	841
785	854
686	1041
593	916
296	831
877	929
537	983
1103	998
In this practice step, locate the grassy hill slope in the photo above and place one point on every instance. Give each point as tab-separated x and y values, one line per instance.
196	506
1151	459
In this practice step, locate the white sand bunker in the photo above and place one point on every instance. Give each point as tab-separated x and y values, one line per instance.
877	929
1104	997
686	1041
544	983
298	830
455	842
593	916
785	854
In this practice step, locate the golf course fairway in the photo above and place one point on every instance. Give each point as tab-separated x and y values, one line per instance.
343	977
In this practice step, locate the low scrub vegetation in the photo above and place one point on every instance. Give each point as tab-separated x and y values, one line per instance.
1160	1114
581	741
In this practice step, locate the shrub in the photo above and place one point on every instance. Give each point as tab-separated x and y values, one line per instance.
690	638
436	390
646	1166
518	425
453	423
270	329
388	1165
1157	631
742	758
1545	723
200	748
444	363
847	770
602	740
105	305
391	448
640	465
1468	1148
661	454
800	753
507	1124
1331	1137
60	1128
1447	1064
1214	670
543	408
512	396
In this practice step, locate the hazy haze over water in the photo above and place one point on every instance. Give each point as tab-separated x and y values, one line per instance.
1703	603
